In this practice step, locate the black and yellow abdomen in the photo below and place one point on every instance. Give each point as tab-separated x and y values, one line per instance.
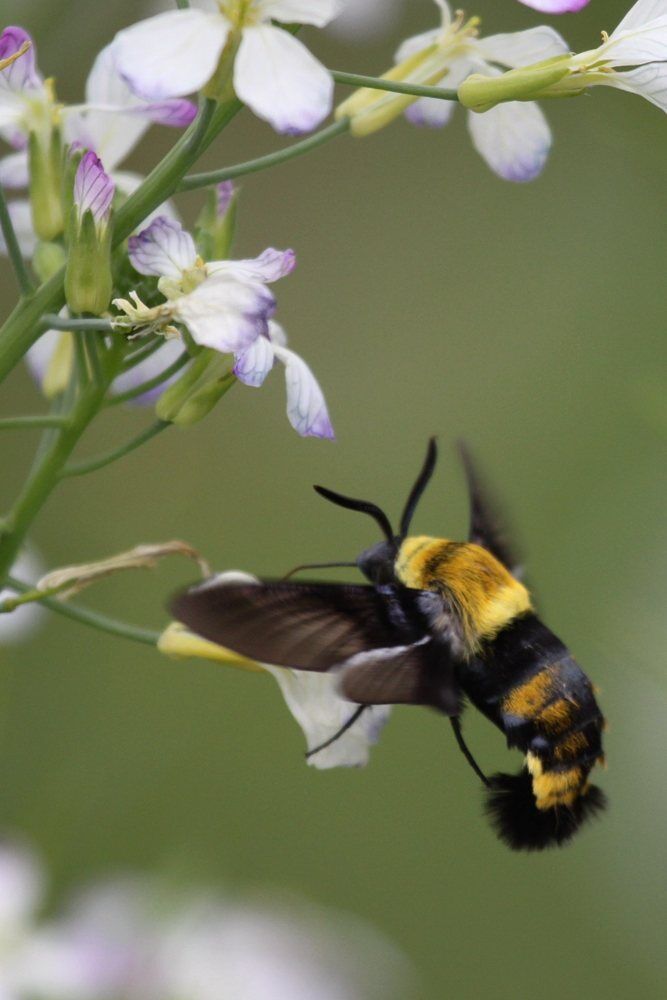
529	685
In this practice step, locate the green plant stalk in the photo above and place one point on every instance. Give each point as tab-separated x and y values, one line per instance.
93	464
91	618
394	86
29	423
13	249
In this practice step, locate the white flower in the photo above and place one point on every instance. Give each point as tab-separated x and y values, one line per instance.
311	697
177	52
632	58
514	140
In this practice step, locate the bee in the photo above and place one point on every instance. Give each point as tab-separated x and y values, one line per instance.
440	622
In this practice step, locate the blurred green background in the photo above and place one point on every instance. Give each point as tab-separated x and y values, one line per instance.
430	297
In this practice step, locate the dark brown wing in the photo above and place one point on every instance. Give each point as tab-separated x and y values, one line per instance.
421	674
308	626
486	524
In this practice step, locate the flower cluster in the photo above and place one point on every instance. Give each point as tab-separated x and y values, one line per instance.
134	938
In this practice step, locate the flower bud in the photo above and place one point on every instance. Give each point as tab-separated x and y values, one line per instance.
45	159
481	93
47	259
88	280
197	391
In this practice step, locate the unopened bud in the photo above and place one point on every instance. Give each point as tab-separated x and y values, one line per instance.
88	280
481	93
45	158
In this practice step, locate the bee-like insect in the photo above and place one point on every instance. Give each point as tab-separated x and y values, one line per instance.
440	621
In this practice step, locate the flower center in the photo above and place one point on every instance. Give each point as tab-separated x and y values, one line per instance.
241	13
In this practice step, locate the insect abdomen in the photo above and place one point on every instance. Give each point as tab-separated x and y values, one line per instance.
533	690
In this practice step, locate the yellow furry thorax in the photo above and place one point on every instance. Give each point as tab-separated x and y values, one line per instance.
484	592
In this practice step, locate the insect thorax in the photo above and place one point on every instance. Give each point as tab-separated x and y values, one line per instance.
482	591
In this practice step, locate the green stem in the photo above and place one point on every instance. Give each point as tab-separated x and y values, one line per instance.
27	423
142	353
393	86
52	322
93	464
92	618
13	249
45	475
263	162
151	383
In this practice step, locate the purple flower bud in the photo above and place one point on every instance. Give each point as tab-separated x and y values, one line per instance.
225	192
93	189
22	74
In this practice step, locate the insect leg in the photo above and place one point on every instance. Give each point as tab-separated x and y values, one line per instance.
456	726
343	729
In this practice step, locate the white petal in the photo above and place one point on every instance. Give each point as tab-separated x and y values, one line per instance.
317	12
127	182
21	884
278	78
15	627
634	48
640	14
320	711
271	265
225	314
147	369
38	357
14	171
521	48
306	406
513	138
164	248
367	20
254	364
21	216
417	43
172	54
647	81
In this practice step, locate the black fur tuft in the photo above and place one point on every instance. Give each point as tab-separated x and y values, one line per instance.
511	807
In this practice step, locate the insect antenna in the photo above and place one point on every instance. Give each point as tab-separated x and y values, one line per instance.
361	505
329	565
456	726
420	485
343	729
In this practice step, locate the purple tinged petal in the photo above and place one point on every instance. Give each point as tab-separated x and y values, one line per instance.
254	364
271	265
164	248
225	313
22	74
93	188
556	6
306	407
177	112
225	192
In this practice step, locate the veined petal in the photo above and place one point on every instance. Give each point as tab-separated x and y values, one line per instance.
22	74
639	15
556	6
226	314
522	48
278	78
21	216
306	407
171	54
432	112
317	12
14	171
153	365
164	249
320	711
254	364
271	265
513	138
648	81
277	334
93	188
639	46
